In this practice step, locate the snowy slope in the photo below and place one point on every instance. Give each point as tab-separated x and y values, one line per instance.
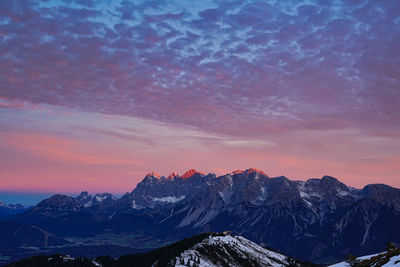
231	250
383	259
345	264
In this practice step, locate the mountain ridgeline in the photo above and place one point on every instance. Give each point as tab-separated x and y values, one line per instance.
318	220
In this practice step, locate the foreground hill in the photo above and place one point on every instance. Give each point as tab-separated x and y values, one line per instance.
231	251
202	250
319	220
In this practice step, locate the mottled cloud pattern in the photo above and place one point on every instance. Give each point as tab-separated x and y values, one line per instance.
103	91
232	67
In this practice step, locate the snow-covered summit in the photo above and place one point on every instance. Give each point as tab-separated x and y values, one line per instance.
229	250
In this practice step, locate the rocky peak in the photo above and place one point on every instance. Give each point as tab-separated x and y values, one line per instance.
329	179
172	175
153	174
190	173
150	179
329	182
375	189
237	172
59	202
383	194
83	195
253	170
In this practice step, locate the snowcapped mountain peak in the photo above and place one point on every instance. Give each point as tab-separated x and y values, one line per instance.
172	175
190	173
253	170
231	250
153	174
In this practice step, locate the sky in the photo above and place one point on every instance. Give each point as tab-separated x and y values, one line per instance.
95	94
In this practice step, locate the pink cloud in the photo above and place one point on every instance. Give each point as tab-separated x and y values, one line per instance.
61	149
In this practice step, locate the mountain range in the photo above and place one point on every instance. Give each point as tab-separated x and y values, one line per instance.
319	220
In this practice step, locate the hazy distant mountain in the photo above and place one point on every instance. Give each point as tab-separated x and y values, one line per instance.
7	210
320	220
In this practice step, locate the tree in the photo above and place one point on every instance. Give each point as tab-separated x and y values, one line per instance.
352	260
291	262
390	246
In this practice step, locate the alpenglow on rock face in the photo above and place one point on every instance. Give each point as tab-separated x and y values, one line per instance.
319	220
190	173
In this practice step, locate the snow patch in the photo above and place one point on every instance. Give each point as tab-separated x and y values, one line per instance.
343	193
226	196
394	261
345	264
302	190
135	206
304	194
308	203
100	198
88	204
170	199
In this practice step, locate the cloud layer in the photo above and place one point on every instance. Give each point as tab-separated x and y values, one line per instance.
231	67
